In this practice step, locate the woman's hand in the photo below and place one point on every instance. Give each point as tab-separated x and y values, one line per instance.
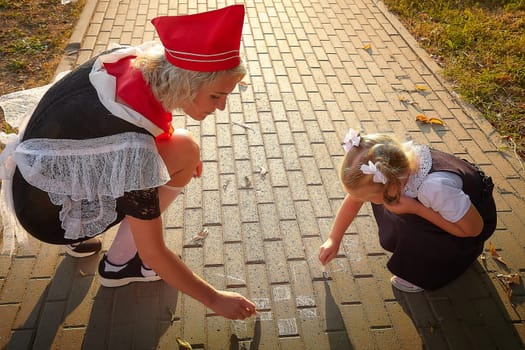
232	305
328	250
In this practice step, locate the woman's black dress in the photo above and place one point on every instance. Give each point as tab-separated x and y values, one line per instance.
71	110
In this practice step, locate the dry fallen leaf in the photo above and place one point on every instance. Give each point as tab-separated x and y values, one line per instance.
226	183
507	280
246	126
512	278
199	237
404	99
247	182
429	120
263	172
183	345
172	314
495	254
492	249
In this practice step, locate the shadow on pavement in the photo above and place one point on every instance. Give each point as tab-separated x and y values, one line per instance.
335	326
56	305
469	313
252	344
132	316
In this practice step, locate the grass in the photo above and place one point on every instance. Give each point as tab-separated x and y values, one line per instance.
33	35
481	47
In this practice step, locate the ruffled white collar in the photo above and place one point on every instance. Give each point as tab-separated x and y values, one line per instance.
424	159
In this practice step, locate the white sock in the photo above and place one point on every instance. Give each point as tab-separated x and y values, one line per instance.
109	267
123	248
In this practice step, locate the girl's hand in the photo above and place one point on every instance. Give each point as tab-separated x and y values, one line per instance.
328	251
406	205
232	305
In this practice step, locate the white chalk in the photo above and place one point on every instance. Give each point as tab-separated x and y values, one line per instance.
325	274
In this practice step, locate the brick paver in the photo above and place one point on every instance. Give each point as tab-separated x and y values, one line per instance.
269	194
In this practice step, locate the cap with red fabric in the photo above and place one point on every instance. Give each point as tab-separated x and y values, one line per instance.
204	42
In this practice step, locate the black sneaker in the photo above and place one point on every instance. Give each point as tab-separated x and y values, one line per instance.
84	248
111	275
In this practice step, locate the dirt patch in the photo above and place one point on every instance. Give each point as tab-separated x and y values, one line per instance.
33	35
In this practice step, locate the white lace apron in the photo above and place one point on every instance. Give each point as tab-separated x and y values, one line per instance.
18	107
85	177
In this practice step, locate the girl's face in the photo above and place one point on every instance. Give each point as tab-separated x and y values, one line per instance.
211	97
374	193
366	194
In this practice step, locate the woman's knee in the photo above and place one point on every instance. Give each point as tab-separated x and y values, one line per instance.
181	155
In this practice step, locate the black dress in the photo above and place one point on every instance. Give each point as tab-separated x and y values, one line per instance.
71	110
423	253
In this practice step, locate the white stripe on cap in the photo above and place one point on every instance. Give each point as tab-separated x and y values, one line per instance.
202	60
172	52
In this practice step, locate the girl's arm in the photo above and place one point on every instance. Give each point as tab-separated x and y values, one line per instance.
344	217
470	225
153	251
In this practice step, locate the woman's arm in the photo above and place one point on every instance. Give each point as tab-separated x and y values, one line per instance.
470	225
154	252
344	217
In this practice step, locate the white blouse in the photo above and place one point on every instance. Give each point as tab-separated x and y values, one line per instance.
440	191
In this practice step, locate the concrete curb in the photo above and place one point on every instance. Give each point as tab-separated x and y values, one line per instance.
75	41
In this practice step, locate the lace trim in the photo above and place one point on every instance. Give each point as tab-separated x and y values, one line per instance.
86	177
13	231
422	154
18	107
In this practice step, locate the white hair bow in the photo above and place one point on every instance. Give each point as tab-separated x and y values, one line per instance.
352	139
371	169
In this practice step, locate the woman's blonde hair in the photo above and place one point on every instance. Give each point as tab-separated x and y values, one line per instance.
173	86
393	159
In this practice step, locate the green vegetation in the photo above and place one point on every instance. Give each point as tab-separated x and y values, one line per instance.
33	35
481	47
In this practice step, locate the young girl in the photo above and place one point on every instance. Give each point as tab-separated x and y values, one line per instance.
434	211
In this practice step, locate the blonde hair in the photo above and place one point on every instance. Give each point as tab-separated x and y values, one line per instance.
394	160
173	86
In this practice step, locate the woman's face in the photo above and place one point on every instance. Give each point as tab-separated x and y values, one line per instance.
212	96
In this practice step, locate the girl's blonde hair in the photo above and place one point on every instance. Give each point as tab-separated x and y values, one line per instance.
173	86
393	159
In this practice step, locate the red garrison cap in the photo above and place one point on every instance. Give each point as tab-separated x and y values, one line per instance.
204	42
